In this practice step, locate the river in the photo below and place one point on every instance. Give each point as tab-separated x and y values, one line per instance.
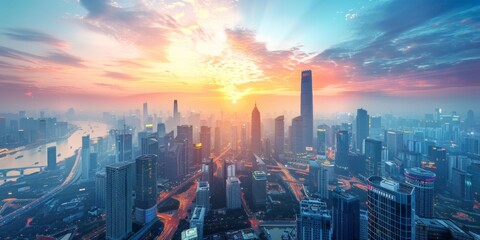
65	147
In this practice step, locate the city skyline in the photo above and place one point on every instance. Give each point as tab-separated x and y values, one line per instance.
361	54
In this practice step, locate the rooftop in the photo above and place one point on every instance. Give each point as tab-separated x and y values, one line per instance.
390	185
420	174
259	175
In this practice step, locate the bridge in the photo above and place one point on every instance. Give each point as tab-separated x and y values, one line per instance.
21	170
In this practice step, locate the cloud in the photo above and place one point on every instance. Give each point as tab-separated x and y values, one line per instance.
110	86
119	76
34	36
57	57
140	26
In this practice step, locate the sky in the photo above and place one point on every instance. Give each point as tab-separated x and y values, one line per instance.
385	56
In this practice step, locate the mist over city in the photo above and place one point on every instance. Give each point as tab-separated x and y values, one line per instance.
239	119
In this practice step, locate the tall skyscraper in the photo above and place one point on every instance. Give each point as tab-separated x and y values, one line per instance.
323	182
314	221
321	141
100	186
185	135
233	193
243	139
363	225
391	211
373	157
423	181
306	109
197	220
160	132
256	135
234	136
341	155
203	195
394	143
437	163
259	189
218	140
85	157
205	139
146	188
52	158
119	200
145	113
175	161
296	136
313	178
176	113
124	147
346	216
362	128
279	135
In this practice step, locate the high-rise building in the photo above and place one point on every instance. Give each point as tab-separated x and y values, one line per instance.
197	154
256	134
176	113
205	139
243	139
145	113
362	127
391	211
323	182
85	157
203	195
313	172
146	188
218	140
93	163
124	147
373	157
259	189
296	137
394	143
314	221
462	184
197	220
321	141
149	145
341	155
434	228
423	181
208	162
306	109
52	158
185	135
363	225
100	186
175	161
234	135
119	200
161	131
279	135
437	163
233	193
231	171
346	216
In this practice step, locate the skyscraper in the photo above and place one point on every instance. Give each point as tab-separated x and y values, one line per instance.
176	113
321	141
205	139
218	140
363	225
362	128
203	195
462	184
52	158
119	200
197	220
85	157
437	163
259	189
185	135
391	211
145	113
323	182
423	181
373	157
175	161
314	221
341	156
394	142
256	134
100	186
233	193
243	139
306	109
279	135
146	188
124	147
346	216
296	136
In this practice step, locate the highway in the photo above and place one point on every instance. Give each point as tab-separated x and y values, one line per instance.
290	180
71	178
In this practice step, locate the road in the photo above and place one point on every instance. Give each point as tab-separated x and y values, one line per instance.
291	181
72	177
